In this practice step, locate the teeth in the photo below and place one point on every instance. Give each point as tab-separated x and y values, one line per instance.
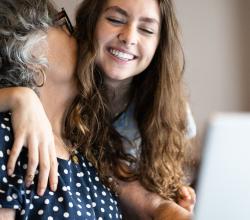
121	55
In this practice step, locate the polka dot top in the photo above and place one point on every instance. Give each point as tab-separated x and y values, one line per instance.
80	194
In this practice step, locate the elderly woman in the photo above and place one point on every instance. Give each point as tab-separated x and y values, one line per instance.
38	51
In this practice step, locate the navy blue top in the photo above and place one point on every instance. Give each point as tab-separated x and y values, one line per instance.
80	194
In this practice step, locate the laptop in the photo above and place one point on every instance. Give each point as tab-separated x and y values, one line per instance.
223	189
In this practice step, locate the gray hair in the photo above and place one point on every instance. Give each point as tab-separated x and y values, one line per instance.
23	27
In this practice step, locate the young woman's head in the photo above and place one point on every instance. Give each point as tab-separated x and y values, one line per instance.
138	39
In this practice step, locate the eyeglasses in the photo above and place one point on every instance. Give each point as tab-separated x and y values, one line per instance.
63	19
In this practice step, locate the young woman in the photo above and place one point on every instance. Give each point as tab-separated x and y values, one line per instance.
131	51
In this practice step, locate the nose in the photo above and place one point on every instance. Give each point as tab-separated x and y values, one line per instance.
128	35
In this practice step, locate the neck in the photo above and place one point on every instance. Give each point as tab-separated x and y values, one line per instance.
56	99
118	93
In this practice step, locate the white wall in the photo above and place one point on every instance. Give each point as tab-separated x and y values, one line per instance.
215	43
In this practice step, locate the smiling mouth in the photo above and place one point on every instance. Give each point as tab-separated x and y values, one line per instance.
121	55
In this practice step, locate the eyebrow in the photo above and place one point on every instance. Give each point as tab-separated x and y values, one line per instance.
123	12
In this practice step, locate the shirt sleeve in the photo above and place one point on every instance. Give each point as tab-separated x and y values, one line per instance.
11	187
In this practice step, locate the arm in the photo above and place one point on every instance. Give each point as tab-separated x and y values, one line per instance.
32	129
7	214
139	204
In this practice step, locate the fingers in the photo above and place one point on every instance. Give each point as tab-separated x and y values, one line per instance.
44	169
14	153
53	177
187	198
32	161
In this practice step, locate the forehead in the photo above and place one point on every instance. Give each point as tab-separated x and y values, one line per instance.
136	8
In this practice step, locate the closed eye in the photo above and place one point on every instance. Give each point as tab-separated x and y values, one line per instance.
147	31
115	20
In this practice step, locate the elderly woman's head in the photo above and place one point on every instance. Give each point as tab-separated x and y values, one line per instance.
29	38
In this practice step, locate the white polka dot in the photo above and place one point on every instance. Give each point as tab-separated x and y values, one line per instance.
97	179
90	164
60	199
102	201
78	194
3	167
100	218
111	200
8	151
102	210
111	208
8	128
31	206
88	197
95	195
9	198
110	216
6	138
66	215
104	193
68	187
90	180
88	206
79	206
40	212
88	189
27	192
78	185
93	204
6	119
1	206
20	181
5	180
1	153
65	171
51	193
79	200
70	204
55	209
64	188
36	197
95	187
3	125
88	172
50	218
19	163
27	201
25	166
14	196
83	164
88	213
46	201
22	212
15	207
79	213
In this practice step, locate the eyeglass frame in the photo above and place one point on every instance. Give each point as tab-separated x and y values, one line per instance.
62	15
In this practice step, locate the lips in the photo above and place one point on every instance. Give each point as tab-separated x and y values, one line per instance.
121	54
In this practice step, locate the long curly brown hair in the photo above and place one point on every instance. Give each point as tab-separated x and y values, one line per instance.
160	107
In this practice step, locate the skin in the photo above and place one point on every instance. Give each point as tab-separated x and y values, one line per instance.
132	27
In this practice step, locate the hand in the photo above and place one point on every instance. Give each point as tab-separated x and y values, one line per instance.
169	210
32	129
187	198
137	203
